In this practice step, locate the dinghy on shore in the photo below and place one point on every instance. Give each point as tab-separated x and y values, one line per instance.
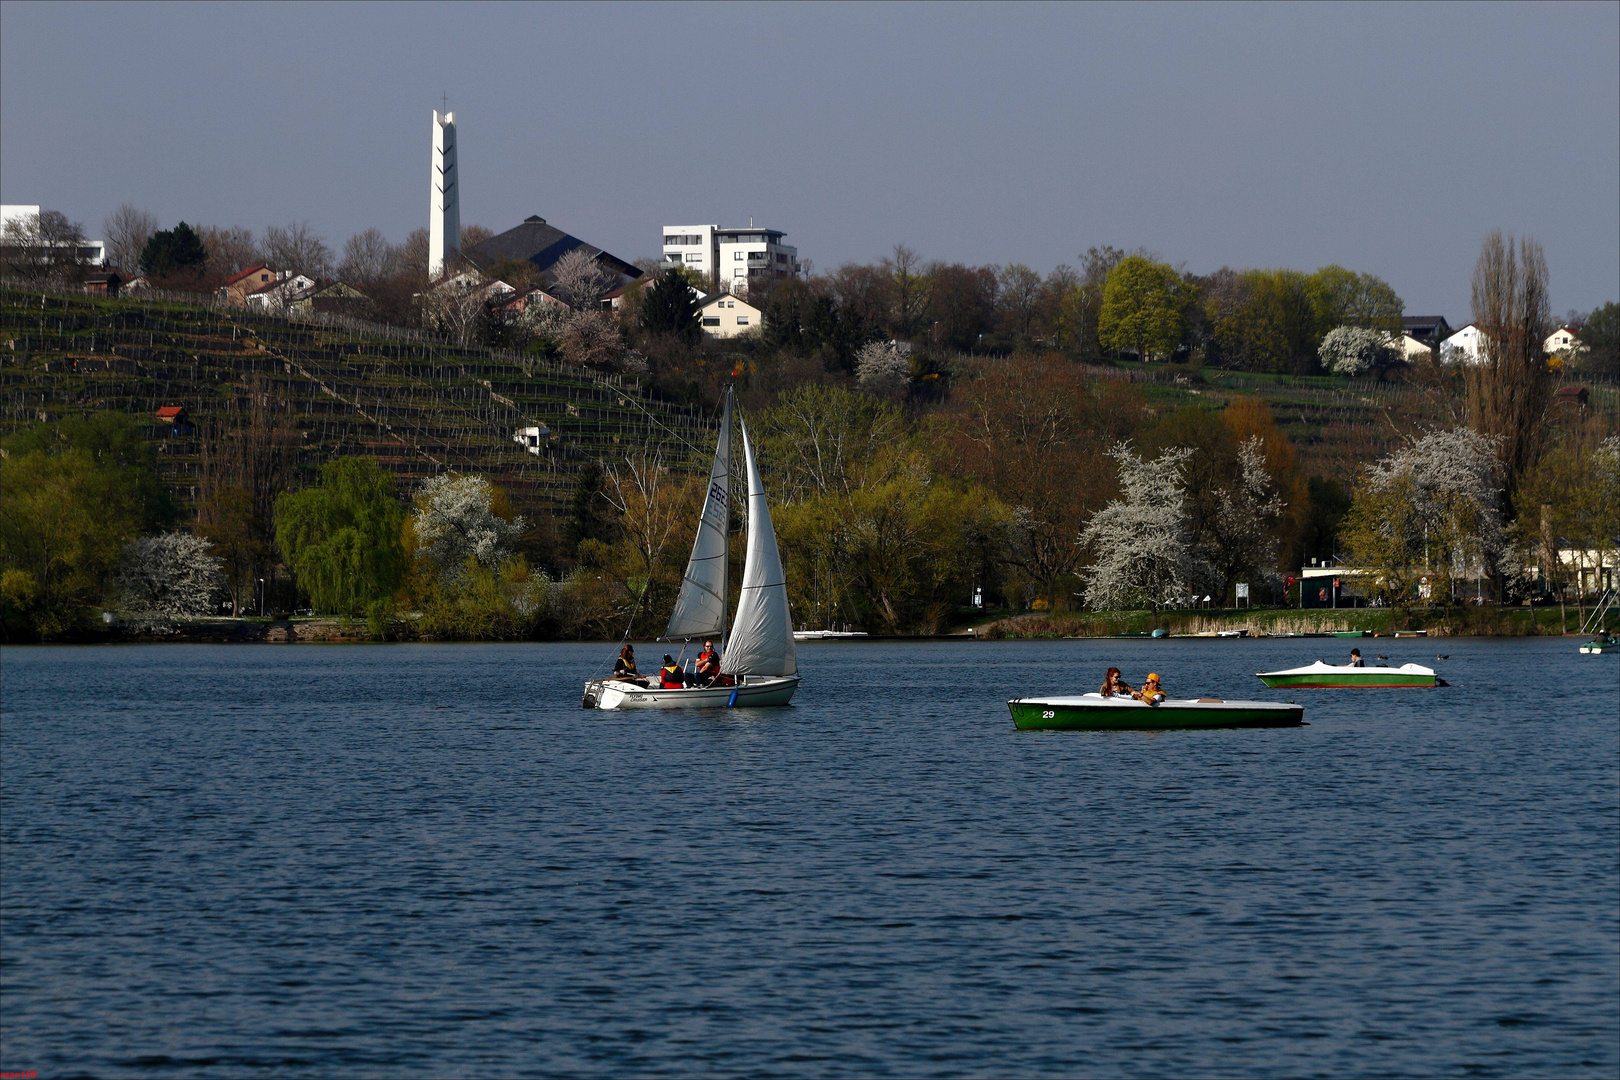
1324	676
758	663
1093	712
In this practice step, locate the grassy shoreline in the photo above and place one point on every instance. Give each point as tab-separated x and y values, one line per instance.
1438	622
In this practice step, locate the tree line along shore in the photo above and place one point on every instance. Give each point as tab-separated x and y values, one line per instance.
374	474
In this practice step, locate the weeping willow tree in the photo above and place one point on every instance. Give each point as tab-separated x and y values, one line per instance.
343	538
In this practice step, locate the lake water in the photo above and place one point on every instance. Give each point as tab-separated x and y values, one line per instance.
428	860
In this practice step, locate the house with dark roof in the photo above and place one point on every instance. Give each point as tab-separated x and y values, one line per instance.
1429	330
337	298
542	244
106	284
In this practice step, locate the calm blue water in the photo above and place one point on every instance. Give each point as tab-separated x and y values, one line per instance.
427	860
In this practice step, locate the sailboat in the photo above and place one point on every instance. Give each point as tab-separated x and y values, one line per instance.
758	658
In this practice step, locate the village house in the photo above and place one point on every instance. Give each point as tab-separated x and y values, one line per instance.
1428	330
237	287
726	316
1466	346
1563	342
281	294
334	299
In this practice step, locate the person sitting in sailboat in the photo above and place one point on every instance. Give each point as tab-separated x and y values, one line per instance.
624	668
708	665
1114	686
671	677
1151	691
1355	658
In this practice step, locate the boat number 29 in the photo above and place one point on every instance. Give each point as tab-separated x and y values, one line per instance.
1047	714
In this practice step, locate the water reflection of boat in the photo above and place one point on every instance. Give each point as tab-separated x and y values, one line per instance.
1093	712
1324	676
758	661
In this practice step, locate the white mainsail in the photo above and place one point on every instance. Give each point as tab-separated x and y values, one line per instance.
762	636
700	609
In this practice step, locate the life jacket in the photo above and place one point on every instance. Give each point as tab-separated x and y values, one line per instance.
708	662
673	678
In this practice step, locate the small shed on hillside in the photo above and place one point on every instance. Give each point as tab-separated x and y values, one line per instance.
106	284
175	418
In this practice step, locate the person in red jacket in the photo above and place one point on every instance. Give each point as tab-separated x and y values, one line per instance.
671	677
708	665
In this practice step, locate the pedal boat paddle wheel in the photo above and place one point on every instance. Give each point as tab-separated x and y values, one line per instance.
759	664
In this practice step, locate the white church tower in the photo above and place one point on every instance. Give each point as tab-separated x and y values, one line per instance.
444	220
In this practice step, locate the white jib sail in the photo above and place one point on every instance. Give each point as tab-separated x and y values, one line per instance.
700	609
762	636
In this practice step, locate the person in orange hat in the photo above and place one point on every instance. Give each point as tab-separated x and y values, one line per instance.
1151	691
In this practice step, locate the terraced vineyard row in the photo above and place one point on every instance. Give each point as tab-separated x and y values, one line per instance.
418	404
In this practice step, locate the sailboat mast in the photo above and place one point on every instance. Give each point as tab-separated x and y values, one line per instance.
725	565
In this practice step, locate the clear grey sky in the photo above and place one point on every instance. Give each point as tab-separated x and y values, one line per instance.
1386	138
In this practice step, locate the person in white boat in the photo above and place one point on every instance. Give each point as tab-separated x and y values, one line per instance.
708	665
671	677
1151	691
1355	658
624	668
1114	686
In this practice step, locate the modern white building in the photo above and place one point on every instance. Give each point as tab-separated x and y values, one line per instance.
444	214
725	316
730	258
91	252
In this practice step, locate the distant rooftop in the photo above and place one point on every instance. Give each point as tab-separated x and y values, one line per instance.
542	244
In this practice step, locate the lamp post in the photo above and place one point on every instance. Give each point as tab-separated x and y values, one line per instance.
261	598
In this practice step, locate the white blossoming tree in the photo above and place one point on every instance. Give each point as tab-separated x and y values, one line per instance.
1241	537
1354	350
1431	509
169	576
454	522
1145	551
881	363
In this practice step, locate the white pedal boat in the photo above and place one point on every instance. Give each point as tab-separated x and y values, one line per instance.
750	692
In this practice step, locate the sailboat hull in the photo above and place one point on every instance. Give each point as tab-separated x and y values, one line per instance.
753	692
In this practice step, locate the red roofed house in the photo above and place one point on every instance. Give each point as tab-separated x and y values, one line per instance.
175	417
236	288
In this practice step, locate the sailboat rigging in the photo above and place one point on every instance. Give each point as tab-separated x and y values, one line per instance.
759	663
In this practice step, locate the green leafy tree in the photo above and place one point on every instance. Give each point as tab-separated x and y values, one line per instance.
64	520
343	538
172	252
71	495
1142	308
1601	336
1346	298
669	308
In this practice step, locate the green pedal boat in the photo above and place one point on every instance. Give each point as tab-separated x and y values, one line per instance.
1324	676
1093	712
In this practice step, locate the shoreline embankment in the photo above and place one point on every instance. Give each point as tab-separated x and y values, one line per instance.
1471	621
